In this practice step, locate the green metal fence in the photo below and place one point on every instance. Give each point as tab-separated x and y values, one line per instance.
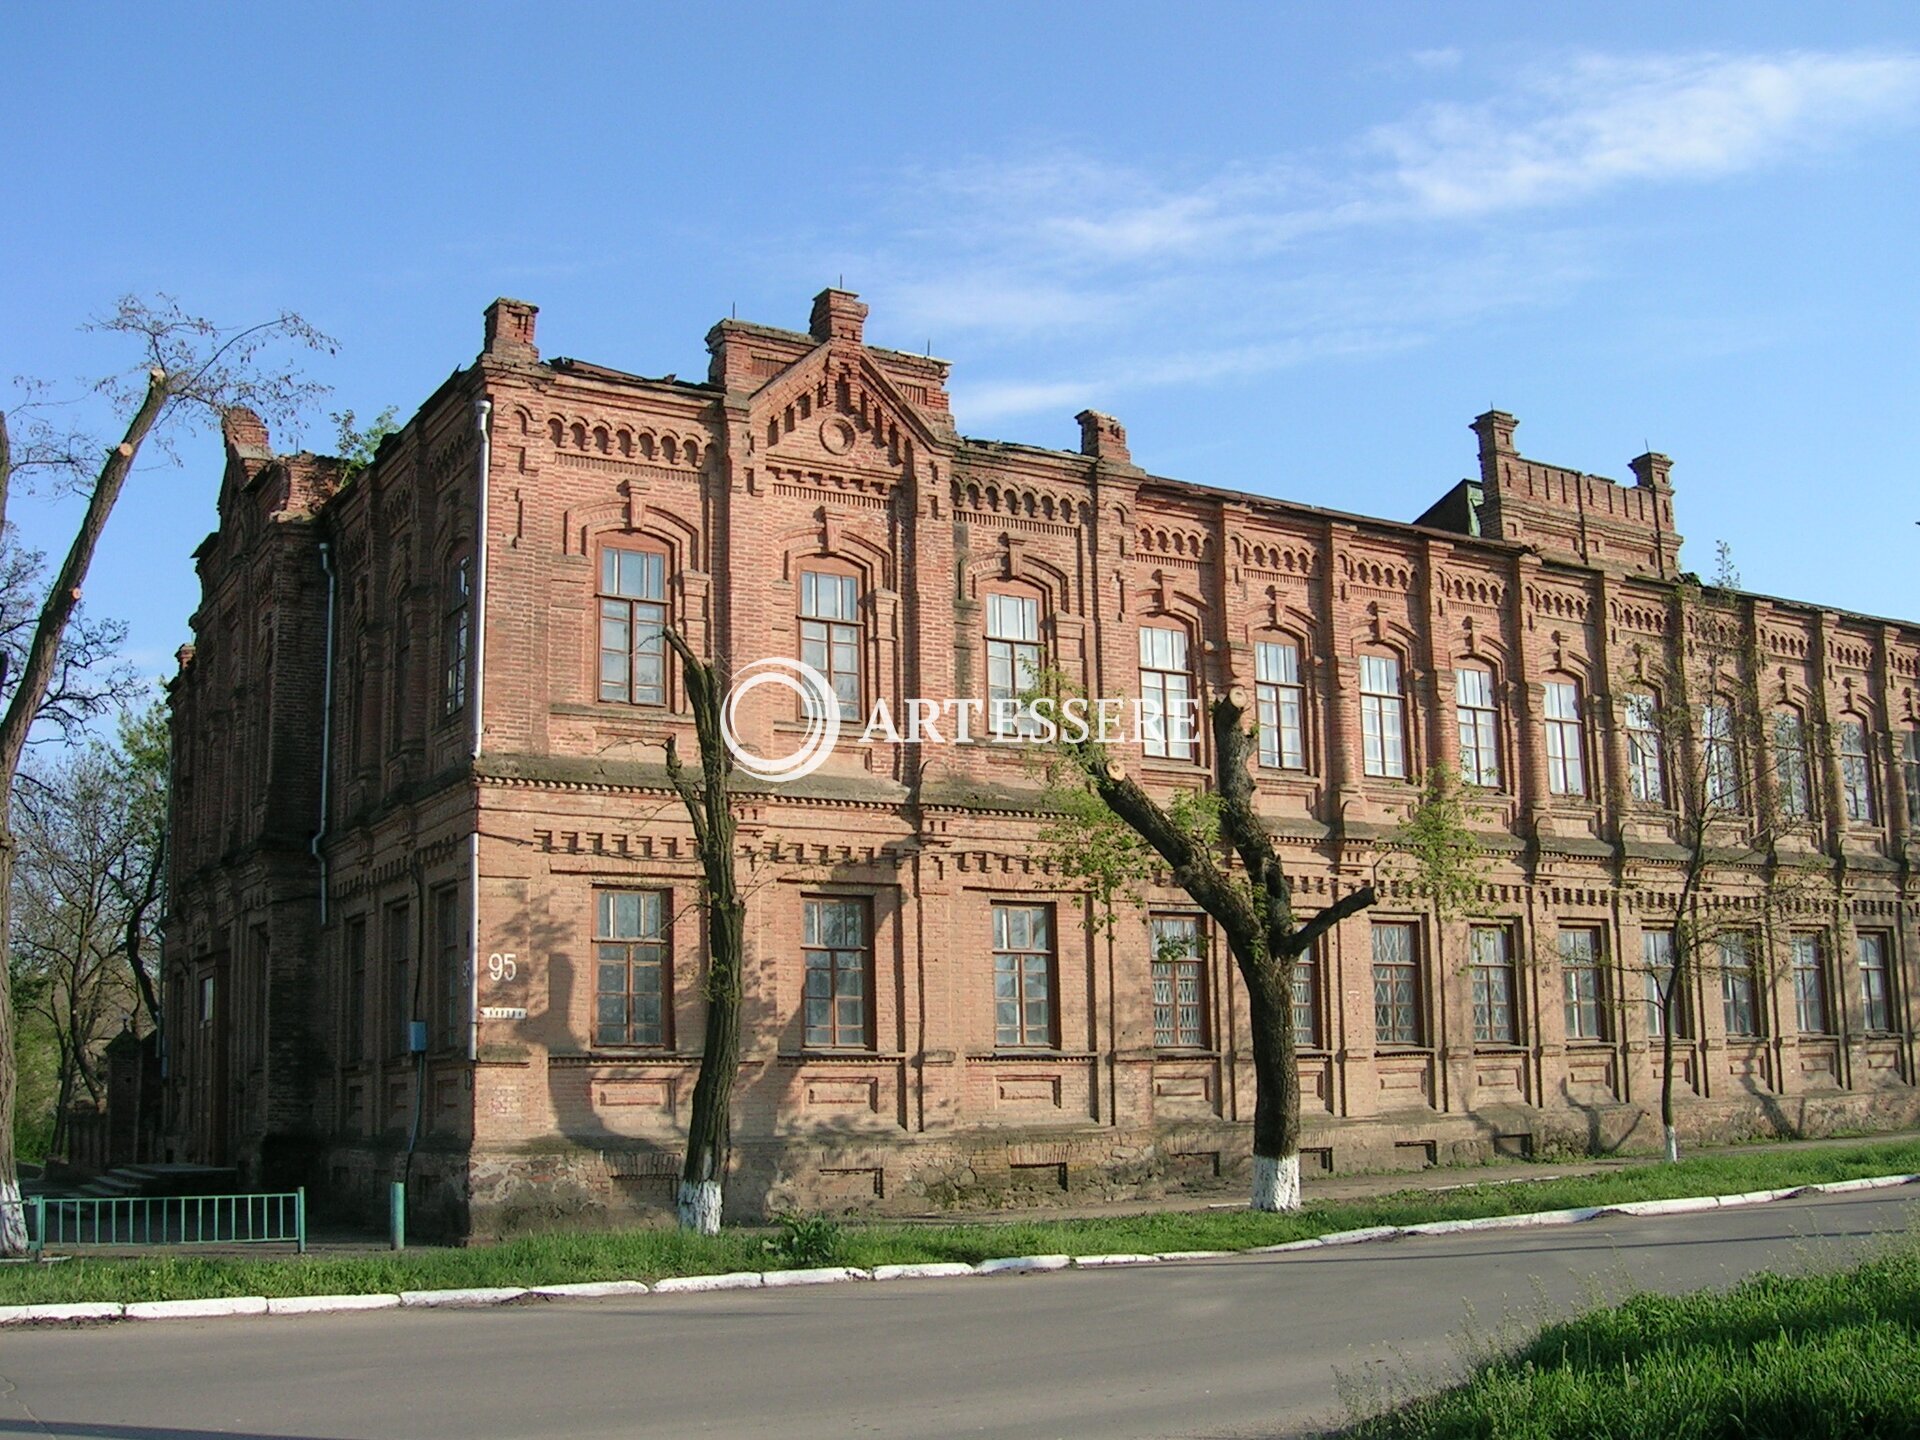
169	1220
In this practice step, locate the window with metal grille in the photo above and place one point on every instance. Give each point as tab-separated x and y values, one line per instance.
1490	956
1166	694
1739	992
1277	690
1396	985
1793	787
839	965
1013	663
1479	728
633	621
630	965
1657	959
457	631
830	634
1876	1002
1856	775
1645	782
1584	984
1023	976
1721	759
1383	718
1566	768
1179	982
1809	985
1306	1001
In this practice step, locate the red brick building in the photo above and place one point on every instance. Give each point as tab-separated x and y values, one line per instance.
434	910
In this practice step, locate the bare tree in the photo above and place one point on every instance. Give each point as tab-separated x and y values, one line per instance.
190	370
710	808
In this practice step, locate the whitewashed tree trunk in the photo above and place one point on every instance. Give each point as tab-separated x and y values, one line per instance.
700	1207
1673	1145
13	1218
1276	1183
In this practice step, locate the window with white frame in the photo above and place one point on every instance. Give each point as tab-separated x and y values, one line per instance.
1276	668
1566	768
1179	982
830	639
1383	717
1720	758
1396	985
630	968
1023	977
1809	986
1739	988
1584	984
1306	1001
1645	780
1167	720
1657	961
1490	957
1876	1000
1856	772
1793	787
1013	663
1479	727
633	622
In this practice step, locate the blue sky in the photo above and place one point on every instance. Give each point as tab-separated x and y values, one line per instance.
1294	249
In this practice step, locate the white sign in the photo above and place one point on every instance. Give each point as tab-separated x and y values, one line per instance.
502	1012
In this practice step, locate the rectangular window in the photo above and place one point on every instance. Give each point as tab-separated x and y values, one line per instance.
1179	982
1644	779
1166	694
1657	959
1013	662
1306	1001
206	999
1910	772
1856	780
1276	673
397	949
1479	728
1876	1001
630	967
1738	991
1809	986
633	621
356	996
1382	718
830	634
839	957
1722	761
1023	977
1490	954
1396	985
1566	770
1584	984
457	627
450	965
1790	776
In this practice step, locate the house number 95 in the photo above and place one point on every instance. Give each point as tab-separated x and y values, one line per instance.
502	967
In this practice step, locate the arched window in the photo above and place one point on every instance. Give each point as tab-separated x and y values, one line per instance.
830	633
1479	726
1566	758
1383	717
1645	780
1167	716
1856	775
633	619
1793	789
1719	758
1281	708
1014	661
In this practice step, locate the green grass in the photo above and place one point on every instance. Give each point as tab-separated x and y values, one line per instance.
652	1253
1809	1356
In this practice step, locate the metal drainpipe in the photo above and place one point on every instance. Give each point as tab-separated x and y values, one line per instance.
326	728
482	411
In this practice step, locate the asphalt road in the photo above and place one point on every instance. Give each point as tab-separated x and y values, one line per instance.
1249	1346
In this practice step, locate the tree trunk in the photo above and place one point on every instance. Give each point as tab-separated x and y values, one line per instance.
13	1214
710	808
1276	1104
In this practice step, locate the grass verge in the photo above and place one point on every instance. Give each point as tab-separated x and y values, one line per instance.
650	1254
1808	1356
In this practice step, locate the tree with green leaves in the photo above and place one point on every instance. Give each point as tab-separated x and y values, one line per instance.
190	371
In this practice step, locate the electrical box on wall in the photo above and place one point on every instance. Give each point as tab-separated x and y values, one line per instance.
416	1037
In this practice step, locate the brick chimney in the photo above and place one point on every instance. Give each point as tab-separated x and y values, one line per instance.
837	315
246	434
510	330
1495	429
1651	471
1103	437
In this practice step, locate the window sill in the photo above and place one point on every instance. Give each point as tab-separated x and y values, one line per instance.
1017	1056
850	1055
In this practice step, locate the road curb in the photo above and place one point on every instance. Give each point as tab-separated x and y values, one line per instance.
948	1270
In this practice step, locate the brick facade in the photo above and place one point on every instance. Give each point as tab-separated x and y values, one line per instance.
314	918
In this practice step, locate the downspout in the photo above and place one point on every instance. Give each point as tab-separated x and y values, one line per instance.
482	410
326	730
